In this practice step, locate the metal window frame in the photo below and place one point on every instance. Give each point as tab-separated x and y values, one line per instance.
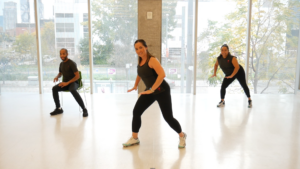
38	47
248	39
195	47
297	84
90	47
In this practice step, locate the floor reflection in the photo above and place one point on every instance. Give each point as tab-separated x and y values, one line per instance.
177	163
137	162
230	145
65	134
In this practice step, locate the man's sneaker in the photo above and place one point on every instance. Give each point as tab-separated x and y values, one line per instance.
85	113
249	103
57	111
221	104
182	143
131	142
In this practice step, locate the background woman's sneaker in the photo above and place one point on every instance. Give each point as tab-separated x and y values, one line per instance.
221	104
249	103
132	141
57	111
182	140
85	113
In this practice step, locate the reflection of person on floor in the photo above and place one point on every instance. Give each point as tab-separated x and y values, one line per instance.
232	71
71	143
68	69
137	162
177	163
152	74
231	138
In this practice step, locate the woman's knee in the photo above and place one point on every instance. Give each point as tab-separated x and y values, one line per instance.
136	113
223	88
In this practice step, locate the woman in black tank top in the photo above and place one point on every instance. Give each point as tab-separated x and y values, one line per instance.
232	71
152	74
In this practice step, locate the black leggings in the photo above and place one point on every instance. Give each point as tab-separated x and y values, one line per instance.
165	104
240	76
72	88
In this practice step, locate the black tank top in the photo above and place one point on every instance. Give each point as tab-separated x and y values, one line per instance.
149	76
226	64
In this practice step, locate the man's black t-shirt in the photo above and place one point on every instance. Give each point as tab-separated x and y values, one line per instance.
68	69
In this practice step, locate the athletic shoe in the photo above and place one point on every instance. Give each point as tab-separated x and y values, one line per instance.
85	113
250	103
131	142
182	143
221	104
57	111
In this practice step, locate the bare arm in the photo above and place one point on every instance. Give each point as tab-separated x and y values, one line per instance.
236	67
215	68
137	80
58	76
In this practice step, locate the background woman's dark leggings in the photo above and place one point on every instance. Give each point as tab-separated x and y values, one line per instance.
165	104
241	77
72	88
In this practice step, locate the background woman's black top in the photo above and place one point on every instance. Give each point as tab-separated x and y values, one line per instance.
226	64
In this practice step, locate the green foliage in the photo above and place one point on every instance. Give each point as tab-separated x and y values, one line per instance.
48	39
115	30
169	12
5	37
25	44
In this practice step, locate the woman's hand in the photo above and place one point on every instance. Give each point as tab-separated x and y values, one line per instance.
214	75
134	88
229	77
146	92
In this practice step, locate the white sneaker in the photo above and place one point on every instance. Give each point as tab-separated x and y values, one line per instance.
131	142
221	104
182	143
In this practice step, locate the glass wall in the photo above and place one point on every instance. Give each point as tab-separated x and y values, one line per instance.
274	46
18	53
177	44
63	24
114	25
217	26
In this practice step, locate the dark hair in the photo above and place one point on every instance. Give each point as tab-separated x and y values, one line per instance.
143	42
225	45
64	49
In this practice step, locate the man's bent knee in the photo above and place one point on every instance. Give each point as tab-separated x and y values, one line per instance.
55	88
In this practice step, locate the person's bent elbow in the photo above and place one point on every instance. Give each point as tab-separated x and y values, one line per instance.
162	75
